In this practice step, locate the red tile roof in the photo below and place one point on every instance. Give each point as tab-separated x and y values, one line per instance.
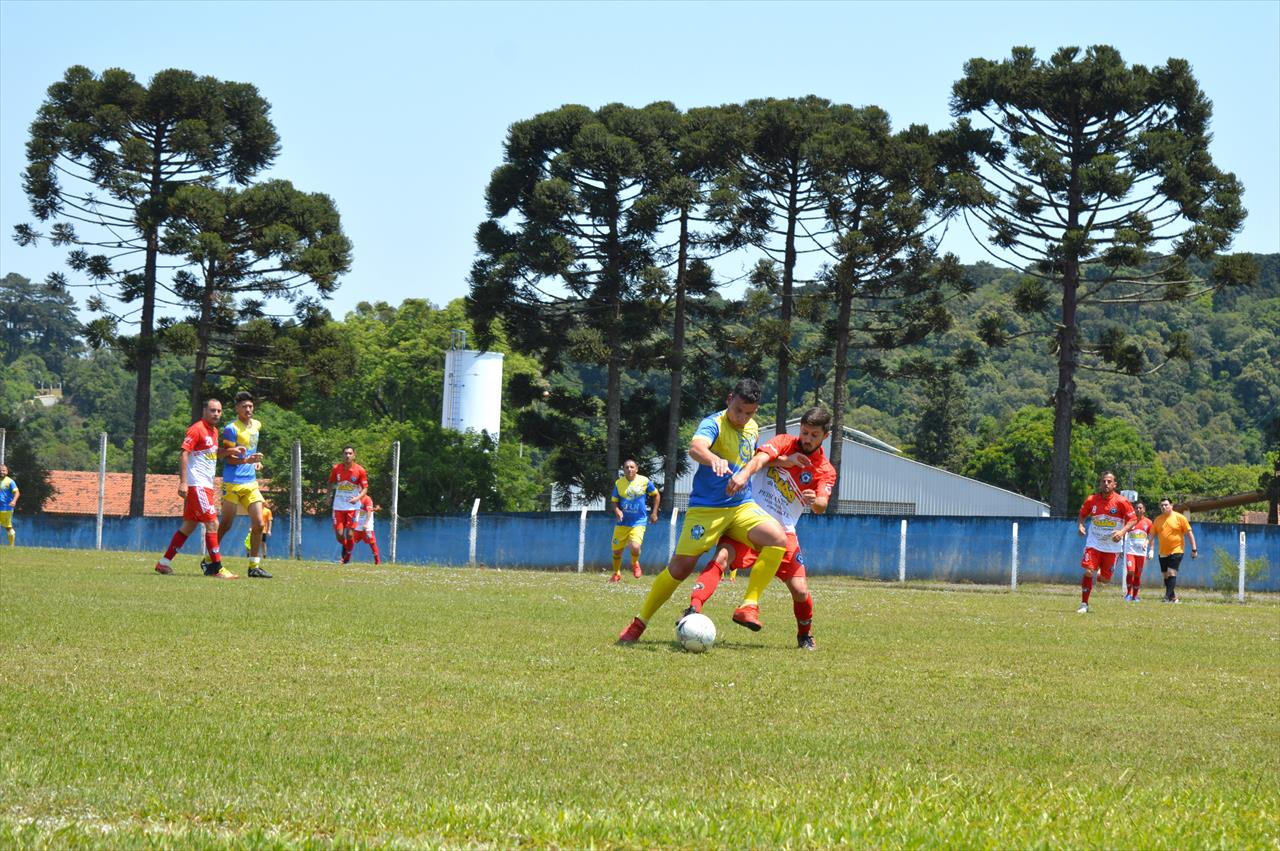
77	493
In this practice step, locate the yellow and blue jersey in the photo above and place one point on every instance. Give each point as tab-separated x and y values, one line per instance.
633	498
737	447
238	434
8	488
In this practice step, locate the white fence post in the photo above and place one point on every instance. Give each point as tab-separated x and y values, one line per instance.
2	439
1013	560
395	497
671	544
582	539
1244	553
475	525
102	485
295	513
902	553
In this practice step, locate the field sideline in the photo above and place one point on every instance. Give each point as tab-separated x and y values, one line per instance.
414	706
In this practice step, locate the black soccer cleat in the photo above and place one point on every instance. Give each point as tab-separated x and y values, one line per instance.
805	642
258	573
689	611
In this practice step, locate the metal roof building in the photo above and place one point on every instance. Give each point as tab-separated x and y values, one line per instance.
875	480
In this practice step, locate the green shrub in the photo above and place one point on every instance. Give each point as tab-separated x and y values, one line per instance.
1227	577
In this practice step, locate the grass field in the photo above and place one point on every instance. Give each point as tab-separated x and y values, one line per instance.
451	707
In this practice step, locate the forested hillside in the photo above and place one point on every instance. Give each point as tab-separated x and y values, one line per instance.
1191	428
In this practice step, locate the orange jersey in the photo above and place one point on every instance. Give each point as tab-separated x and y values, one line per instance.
1169	530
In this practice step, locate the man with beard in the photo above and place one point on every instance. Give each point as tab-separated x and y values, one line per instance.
796	475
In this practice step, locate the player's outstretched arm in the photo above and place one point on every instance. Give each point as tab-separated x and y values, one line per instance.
700	451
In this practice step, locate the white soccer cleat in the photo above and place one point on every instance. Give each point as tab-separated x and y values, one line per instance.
1083	610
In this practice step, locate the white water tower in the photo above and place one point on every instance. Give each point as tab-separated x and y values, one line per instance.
472	388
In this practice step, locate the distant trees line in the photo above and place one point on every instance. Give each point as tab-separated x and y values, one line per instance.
607	229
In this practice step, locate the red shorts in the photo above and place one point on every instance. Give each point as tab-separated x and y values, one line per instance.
201	505
792	562
1097	560
363	536
343	520
1132	562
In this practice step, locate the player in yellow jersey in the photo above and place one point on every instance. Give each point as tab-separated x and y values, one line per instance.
240	479
631	494
9	494
720	504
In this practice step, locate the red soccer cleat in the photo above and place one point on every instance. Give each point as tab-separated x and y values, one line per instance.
632	633
748	616
164	569
635	571
617	577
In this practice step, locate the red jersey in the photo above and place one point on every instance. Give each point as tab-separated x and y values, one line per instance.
1140	537
777	489
1107	513
201	444
349	484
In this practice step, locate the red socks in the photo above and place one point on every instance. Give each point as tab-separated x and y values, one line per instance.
706	585
373	545
1137	582
1086	587
211	544
175	544
804	614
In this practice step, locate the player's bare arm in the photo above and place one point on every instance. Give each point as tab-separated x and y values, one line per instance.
1119	534
182	473
740	478
700	451
657	500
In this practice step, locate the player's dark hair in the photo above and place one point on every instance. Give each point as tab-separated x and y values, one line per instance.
211	399
748	390
244	396
626	461
817	416
348	446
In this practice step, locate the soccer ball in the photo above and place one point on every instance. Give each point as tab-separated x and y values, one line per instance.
696	632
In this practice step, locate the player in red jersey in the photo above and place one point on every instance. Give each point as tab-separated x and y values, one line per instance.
797	476
351	483
200	454
1110	516
364	526
1139	544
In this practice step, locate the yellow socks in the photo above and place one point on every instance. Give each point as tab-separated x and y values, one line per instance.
664	585
762	573
617	561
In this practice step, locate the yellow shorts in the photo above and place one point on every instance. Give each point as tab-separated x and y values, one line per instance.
703	527
244	495
624	535
6	519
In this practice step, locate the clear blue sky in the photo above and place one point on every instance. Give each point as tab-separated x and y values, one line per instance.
399	110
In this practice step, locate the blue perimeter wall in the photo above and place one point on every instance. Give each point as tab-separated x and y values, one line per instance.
946	549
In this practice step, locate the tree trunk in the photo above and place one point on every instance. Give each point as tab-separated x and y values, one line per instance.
788	281
1068	359
203	332
143	356
677	371
840	370
613	413
1064	403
